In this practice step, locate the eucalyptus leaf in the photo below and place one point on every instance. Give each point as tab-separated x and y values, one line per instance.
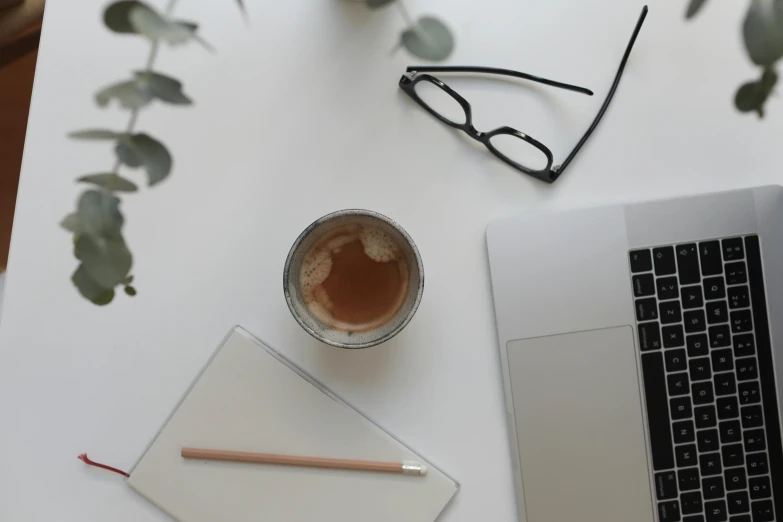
155	26
128	280
131	291
100	214
106	260
429	39
142	149
131	95
90	289
693	8
95	134
163	87
763	31
116	16
110	181
72	223
377	3
751	96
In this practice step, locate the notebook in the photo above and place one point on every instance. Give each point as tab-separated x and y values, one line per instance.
250	398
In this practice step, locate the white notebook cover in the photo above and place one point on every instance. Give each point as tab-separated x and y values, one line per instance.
249	398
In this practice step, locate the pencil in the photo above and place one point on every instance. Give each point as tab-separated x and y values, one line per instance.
405	468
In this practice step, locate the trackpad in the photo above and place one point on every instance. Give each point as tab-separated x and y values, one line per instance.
581	438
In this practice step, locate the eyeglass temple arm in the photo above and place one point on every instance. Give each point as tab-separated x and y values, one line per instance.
501	72
559	170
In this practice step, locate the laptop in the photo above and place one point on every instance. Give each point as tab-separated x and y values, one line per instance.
640	346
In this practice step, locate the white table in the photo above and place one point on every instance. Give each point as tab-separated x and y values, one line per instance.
297	115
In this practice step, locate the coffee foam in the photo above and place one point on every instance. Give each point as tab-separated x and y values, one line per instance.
317	265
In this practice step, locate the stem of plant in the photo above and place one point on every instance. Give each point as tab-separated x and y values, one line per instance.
405	14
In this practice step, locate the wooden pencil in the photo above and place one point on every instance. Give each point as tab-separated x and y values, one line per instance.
406	468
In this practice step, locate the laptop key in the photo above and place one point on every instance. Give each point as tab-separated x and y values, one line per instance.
687	263
714	288
735	479
712	487
678	384
749	392
710	256
722	360
669	511
691	297
663	258
720	336
666	485
686	455
688	479
739	297
643	285
747	369
646	309
725	384
754	440
673	336
641	261
717	312
680	408
676	360
760	488
728	408
732	456
670	312
744	345
757	464
730	431
694	321
732	249
667	287
702	392
762	511
736	273
709	464
700	369
715	511
707	440
738	502
683	431
690	503
697	345
649	336
741	321
654	379
705	416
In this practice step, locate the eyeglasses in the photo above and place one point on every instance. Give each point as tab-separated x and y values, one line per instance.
517	149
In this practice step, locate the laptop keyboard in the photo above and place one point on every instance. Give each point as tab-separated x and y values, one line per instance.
711	400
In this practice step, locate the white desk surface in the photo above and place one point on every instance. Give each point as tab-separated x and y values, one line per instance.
299	114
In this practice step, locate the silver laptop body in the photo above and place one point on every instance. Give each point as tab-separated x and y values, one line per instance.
609	420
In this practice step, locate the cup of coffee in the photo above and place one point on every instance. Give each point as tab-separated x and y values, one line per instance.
353	279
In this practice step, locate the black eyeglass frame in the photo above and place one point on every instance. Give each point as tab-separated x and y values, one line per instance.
415	74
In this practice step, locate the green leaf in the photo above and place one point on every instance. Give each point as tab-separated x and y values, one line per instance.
90	289
163	87
128	280
106	260
110	181
694	7
429	39
95	134
116	16
130	94
141	149
130	291
100	214
72	223
377	3
763	31
751	96
156	26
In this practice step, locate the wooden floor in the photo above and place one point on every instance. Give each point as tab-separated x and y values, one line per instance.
16	84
